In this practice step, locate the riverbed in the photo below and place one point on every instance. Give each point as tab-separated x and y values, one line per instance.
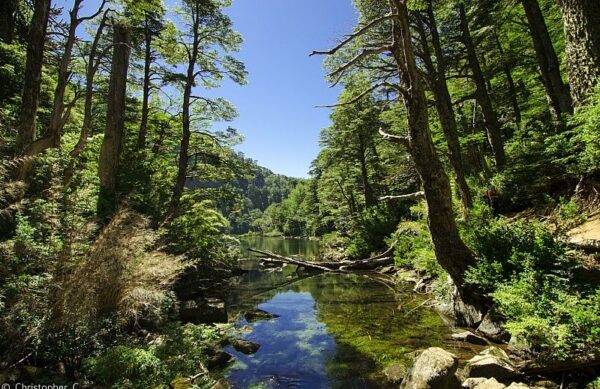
334	330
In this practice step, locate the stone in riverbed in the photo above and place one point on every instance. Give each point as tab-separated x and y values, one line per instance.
433	369
210	310
469	337
244	346
471	383
218	359
491	362
489	327
490	383
258	314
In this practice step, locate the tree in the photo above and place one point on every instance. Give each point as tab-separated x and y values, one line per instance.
556	90
581	20
451	252
492	124
209	35
110	151
33	74
436	74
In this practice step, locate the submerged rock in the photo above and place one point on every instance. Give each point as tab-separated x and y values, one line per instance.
244	346
433	369
491	362
204	311
469	337
221	384
258	314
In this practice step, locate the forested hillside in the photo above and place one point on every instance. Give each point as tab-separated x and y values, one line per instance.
466	139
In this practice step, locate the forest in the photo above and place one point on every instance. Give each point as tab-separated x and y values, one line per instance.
465	142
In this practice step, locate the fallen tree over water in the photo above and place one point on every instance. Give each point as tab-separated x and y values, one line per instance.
372	263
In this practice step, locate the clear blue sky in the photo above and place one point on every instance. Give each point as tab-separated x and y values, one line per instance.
277	110
277	114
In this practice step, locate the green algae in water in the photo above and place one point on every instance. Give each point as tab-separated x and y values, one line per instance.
334	330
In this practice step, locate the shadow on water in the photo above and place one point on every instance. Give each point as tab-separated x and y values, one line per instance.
334	330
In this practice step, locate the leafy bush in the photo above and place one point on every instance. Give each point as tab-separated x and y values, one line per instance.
179	351
201	225
553	319
507	248
413	244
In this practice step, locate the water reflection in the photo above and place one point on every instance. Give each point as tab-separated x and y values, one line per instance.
289	247
334	330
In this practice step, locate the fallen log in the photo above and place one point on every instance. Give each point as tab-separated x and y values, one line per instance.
272	257
371	263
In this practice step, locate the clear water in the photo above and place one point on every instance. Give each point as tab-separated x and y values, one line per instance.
334	330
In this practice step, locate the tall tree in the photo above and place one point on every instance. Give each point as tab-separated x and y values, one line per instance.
152	26
208	39
451	252
110	151
581	20
492	124
436	74
33	74
556	90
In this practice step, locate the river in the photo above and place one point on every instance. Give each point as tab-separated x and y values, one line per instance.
333	331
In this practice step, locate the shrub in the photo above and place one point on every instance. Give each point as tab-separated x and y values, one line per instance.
179	351
507	248
553	319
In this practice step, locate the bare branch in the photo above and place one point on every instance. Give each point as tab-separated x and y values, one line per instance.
351	37
339	73
412	196
403	140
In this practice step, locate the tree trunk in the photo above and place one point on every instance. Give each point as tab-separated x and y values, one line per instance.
445	110
556	90
512	90
483	98
8	11
33	74
115	120
141	142
451	252
582	31
184	145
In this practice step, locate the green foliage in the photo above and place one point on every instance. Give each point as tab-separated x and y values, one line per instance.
201	225
180	351
505	249
552	317
414	249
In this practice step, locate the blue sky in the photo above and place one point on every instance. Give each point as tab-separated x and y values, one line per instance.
277	108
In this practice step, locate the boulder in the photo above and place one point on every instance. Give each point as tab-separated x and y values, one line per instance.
203	311
258	314
517	385
244	346
395	372
218	359
433	369
469	337
491	362
490	383
471	383
491	329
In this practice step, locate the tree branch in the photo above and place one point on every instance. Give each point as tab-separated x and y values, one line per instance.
412	196
403	140
351	37
339	73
